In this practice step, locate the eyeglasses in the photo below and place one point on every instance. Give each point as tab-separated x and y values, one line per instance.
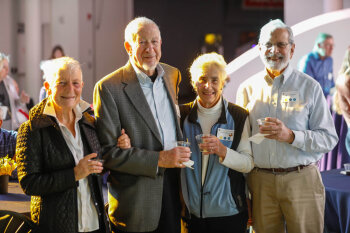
280	45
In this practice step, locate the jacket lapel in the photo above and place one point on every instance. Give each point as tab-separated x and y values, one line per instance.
134	91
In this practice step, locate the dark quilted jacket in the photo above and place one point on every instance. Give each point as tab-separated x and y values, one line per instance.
45	171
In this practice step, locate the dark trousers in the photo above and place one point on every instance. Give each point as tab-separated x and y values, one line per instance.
230	224
170	216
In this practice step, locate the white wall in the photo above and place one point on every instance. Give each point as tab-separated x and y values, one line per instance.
336	23
296	11
6	22
65	26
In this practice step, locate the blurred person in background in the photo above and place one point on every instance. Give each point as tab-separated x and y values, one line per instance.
15	105
342	94
55	153
319	63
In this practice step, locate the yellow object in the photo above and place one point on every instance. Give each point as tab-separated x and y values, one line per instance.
210	38
7	165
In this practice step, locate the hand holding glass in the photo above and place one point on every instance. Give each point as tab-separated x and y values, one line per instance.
189	163
200	140
98	160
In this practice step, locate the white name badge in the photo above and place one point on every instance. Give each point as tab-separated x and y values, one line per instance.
225	134
290	97
330	76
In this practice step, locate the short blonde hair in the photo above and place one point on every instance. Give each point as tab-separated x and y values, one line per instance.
52	67
205	62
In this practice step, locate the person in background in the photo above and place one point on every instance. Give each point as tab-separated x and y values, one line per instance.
55	153
342	94
7	140
286	186
56	52
141	97
319	63
14	104
8	144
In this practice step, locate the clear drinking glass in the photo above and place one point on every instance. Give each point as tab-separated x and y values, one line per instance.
199	139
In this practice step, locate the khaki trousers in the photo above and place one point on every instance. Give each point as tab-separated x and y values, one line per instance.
292	201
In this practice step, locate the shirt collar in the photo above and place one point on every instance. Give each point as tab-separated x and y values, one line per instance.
142	77
78	110
284	76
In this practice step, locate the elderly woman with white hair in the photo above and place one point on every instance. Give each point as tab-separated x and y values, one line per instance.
214	191
55	152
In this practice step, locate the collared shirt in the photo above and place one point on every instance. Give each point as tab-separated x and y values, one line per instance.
158	100
321	70
7	142
87	213
297	100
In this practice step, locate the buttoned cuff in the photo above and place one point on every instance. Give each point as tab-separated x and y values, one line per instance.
299	140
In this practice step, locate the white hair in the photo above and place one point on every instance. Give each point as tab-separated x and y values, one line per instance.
52	67
205	62
272	26
133	27
3	57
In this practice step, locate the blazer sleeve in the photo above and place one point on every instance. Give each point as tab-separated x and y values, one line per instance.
134	161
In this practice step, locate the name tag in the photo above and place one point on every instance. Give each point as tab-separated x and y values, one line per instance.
330	76
225	134
290	97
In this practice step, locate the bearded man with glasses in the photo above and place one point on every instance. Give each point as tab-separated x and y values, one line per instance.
286	186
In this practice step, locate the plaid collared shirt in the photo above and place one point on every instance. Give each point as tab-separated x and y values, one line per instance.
7	142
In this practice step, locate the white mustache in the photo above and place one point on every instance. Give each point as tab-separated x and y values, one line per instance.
274	56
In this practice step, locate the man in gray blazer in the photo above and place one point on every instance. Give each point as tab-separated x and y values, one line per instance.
141	97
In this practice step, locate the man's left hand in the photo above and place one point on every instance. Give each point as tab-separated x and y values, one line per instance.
277	130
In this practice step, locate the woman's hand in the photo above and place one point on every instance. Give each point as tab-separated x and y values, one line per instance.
24	97
124	141
213	146
86	166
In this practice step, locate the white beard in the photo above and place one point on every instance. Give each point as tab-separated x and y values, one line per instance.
275	65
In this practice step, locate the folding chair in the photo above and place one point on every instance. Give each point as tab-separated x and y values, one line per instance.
13	222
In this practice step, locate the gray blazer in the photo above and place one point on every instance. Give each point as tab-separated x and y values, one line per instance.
136	182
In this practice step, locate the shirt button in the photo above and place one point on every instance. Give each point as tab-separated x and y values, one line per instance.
96	203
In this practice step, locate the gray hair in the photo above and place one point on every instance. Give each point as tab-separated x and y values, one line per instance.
205	62
3	57
320	39
52	67
272	26
133	27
